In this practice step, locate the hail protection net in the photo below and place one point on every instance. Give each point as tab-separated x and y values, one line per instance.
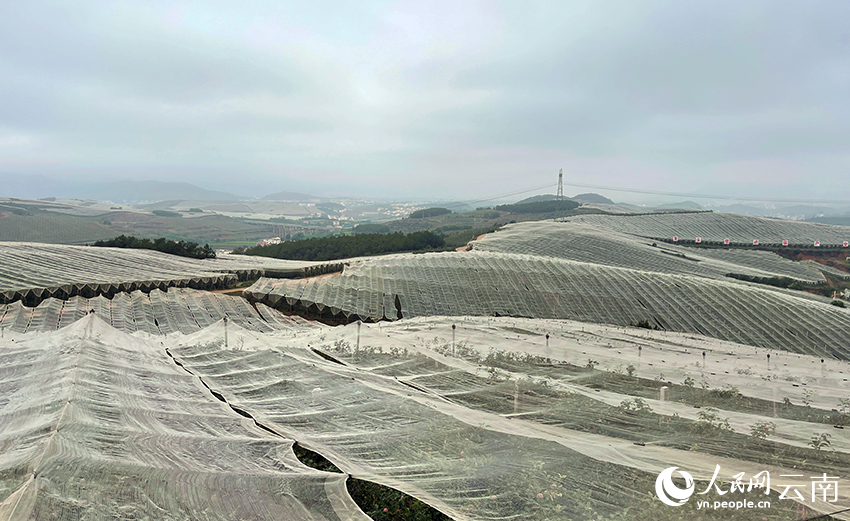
716	227
33	272
158	312
598	244
97	424
493	423
494	284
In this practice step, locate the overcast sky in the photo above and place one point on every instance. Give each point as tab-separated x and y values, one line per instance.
431	99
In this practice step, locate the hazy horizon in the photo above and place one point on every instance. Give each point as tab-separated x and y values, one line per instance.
436	101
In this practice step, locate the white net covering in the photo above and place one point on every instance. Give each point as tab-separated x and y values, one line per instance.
491	284
500	424
715	227
601	245
33	271
97	424
158	312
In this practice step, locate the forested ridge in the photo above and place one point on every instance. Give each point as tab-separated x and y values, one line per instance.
333	248
181	248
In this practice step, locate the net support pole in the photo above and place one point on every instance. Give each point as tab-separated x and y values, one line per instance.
774	401
225	332
358	336
453	339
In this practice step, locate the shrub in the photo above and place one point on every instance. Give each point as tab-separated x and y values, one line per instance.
166	213
728	391
709	421
820	441
637	405
762	429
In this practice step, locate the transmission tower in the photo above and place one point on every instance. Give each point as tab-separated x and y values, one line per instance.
560	183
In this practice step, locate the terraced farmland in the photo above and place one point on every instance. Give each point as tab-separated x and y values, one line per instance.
490	284
32	271
599	245
715	227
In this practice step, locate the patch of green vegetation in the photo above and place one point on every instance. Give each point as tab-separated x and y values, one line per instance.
377	501
644	324
779	282
15	209
371	228
330	207
461	238
553	206
728	398
428	212
179	248
485	213
166	213
333	248
284	220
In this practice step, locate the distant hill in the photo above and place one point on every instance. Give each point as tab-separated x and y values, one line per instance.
293	196
152	191
591	198
796	211
838	221
682	204
580	198
115	191
538	198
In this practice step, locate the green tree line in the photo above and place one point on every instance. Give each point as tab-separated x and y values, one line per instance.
555	205
181	248
347	246
429	212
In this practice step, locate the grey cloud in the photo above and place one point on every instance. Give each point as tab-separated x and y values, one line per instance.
440	98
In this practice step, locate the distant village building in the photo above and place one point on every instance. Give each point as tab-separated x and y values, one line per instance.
271	240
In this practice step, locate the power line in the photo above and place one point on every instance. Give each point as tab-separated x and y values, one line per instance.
502	196
705	196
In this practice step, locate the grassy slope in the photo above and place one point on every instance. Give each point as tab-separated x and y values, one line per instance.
57	228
